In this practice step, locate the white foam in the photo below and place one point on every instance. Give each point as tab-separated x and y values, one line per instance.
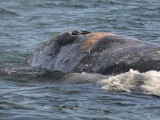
148	82
152	84
121	82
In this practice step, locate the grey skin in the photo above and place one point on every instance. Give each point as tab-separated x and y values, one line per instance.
110	55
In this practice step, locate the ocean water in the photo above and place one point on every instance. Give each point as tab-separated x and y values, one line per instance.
27	24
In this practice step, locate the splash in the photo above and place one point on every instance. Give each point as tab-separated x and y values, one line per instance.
148	82
152	84
131	81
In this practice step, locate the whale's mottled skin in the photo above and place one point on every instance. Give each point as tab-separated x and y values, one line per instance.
105	53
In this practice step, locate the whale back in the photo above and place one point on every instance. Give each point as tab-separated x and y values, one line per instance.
103	53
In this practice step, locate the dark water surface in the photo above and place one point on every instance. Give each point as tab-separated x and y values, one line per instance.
27	24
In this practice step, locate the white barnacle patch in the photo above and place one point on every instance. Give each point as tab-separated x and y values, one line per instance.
63	61
117	62
95	69
114	55
86	65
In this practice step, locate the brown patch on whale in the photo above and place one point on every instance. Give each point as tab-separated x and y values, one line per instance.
92	39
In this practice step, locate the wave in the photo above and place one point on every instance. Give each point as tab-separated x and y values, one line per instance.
148	82
131	81
7	12
62	4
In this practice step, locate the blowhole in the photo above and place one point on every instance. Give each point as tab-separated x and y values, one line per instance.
83	32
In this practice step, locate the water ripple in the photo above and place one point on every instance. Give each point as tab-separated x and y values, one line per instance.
7	12
26	24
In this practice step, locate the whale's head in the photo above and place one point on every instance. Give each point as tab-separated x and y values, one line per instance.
85	38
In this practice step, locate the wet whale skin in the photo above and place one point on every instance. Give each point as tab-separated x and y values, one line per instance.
100	52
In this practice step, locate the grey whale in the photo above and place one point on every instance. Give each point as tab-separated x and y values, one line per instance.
100	52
